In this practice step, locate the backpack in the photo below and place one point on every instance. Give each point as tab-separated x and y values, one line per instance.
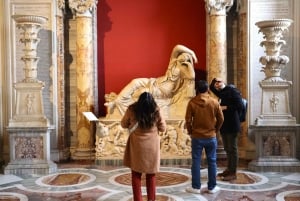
243	111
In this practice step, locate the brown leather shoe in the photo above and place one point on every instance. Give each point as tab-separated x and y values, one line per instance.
224	173
230	177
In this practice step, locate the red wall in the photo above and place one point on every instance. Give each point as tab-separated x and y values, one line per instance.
136	37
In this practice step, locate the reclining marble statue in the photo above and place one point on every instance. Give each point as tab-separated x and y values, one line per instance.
172	92
173	87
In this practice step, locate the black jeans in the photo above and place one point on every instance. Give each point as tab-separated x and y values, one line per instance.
230	143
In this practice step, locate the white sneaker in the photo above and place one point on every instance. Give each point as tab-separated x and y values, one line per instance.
192	190
215	190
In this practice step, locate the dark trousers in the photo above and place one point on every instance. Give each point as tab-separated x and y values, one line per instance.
137	184
230	143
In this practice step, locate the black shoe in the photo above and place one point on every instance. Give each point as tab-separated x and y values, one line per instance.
224	173
230	177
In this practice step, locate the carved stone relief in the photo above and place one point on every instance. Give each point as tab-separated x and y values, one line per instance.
111	140
29	148
276	146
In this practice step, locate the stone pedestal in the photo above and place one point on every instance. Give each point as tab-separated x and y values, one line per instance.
275	109
30	151
275	148
29	106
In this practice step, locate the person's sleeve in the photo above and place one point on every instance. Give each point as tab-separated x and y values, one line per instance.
219	117
213	89
236	101
188	119
162	125
125	121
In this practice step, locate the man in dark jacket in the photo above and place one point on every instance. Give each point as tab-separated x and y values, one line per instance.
203	119
231	103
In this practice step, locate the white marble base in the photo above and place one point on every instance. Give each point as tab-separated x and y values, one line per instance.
279	165
83	154
275	149
279	120
31	168
29	151
7	179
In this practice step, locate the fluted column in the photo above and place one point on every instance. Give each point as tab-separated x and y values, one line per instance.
242	66
216	65
62	141
246	147
83	11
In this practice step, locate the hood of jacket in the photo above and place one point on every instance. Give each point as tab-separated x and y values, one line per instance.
201	99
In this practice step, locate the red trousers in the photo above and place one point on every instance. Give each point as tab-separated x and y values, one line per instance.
137	185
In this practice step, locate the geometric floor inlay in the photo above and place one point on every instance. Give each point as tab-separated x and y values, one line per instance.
8	196
65	179
292	198
86	184
158	197
243	178
289	196
162	179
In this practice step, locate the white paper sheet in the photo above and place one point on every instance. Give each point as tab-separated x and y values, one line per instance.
90	116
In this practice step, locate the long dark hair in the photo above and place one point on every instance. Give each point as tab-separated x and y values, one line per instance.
146	110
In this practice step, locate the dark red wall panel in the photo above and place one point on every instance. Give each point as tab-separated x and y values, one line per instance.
136	37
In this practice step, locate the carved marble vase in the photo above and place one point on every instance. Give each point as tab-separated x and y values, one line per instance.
275	109
273	31
29	110
29	129
31	25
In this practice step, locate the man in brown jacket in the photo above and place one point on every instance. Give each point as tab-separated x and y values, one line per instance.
204	119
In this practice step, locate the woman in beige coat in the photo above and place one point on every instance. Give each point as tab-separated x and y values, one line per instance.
142	154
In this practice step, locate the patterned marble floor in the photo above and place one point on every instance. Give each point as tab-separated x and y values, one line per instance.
114	184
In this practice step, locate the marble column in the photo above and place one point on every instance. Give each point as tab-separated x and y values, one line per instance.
216	47
246	147
83	11
60	46
217	62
